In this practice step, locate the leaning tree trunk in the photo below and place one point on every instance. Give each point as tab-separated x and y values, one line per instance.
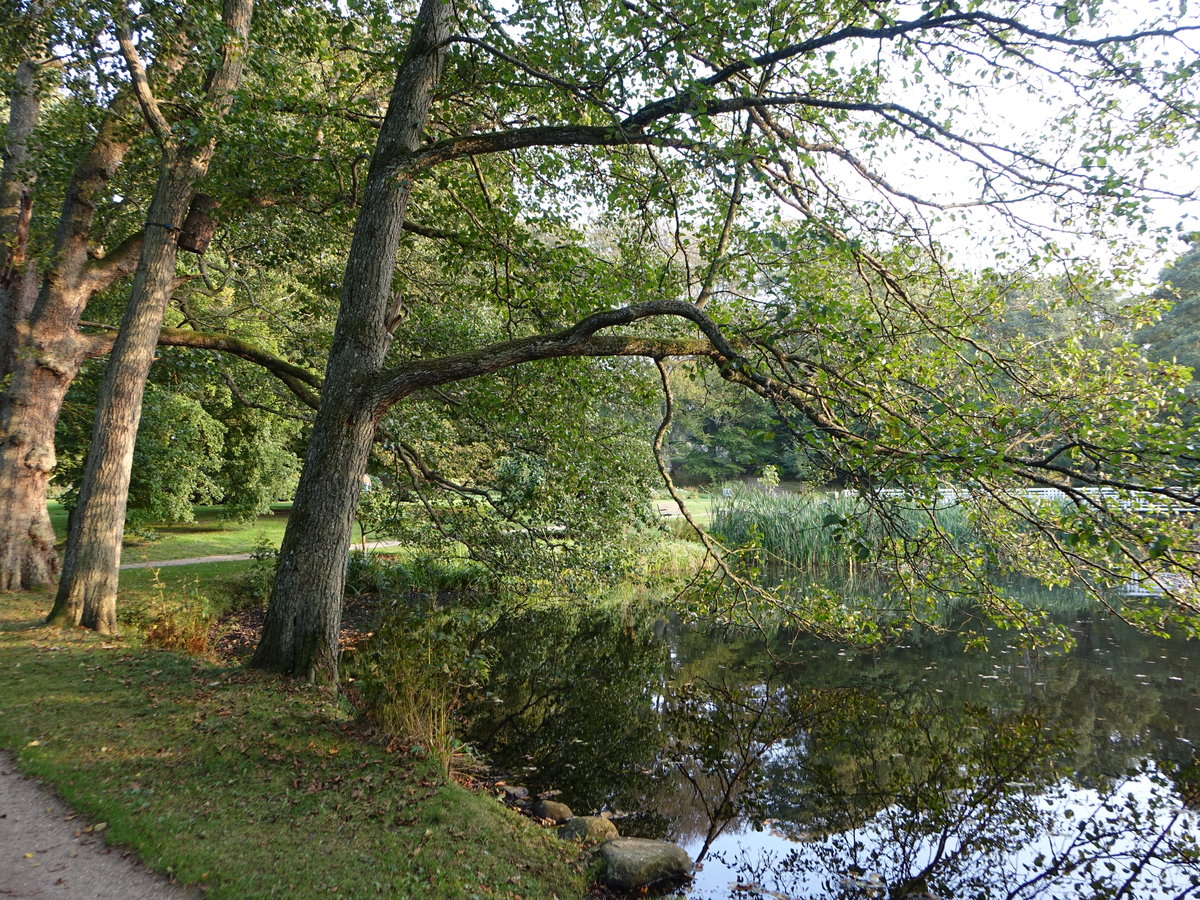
87	593
300	636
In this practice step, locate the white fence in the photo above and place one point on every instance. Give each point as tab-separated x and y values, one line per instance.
1108	497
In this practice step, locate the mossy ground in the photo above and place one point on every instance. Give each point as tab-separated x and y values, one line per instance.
251	786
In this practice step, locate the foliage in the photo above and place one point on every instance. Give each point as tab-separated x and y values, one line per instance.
178	456
255	583
196	445
1173	338
719	432
412	674
540	476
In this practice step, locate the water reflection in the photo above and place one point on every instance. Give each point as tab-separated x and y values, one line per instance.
801	770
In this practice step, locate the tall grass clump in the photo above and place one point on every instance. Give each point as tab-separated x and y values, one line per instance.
411	677
832	533
176	617
790	529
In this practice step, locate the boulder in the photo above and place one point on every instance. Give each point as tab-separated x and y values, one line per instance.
512	792
632	863
588	829
558	813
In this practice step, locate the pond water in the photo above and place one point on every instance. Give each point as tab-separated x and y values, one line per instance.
799	769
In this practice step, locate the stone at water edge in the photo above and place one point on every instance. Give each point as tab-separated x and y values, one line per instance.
632	863
512	792
589	829
558	813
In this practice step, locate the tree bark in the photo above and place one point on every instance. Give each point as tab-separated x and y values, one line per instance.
300	636
18	278
47	351
87	593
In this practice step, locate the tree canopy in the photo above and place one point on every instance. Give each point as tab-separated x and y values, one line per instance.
774	191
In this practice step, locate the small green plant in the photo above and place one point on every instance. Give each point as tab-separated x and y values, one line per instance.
433	575
366	573
769	479
173	617
254	587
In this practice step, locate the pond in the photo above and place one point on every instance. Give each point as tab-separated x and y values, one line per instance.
792	768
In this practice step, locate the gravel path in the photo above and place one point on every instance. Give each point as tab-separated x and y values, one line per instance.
231	557
45	851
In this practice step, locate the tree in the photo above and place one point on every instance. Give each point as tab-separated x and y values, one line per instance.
87	593
722	432
86	153
628	105
1173	338
43	345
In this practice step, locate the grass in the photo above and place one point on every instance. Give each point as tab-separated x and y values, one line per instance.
819	532
209	535
252	787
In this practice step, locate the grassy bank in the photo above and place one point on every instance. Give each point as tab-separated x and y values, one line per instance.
253	788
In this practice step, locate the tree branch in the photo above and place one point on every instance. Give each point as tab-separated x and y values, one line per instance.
141	85
300	381
119	262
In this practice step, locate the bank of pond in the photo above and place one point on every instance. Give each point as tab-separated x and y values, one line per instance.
790	767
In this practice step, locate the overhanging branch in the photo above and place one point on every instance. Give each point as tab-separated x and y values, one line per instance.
300	381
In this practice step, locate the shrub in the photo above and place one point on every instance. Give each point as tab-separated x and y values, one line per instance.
412	675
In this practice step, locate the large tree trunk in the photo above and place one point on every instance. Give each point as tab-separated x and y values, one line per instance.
18	277
45	351
300	636
87	594
88	590
27	558
28	411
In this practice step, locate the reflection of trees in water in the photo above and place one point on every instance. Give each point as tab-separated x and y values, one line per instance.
724	732
932	768
912	780
572	704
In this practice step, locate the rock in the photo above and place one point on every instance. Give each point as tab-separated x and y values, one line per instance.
589	829
558	813
632	863
512	792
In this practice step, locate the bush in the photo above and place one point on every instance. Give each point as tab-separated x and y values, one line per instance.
411	677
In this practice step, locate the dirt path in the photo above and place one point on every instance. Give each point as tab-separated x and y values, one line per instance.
233	557
45	852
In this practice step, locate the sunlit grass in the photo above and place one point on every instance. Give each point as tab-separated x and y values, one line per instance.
209	535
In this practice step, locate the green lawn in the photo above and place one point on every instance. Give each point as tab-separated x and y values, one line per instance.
248	785
209	535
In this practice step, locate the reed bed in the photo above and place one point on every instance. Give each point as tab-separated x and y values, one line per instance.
832	533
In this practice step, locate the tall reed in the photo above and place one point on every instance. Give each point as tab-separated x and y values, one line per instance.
830	533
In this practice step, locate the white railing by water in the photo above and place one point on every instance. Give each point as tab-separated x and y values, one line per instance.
1107	497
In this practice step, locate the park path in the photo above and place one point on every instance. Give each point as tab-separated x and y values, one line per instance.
45	851
231	557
